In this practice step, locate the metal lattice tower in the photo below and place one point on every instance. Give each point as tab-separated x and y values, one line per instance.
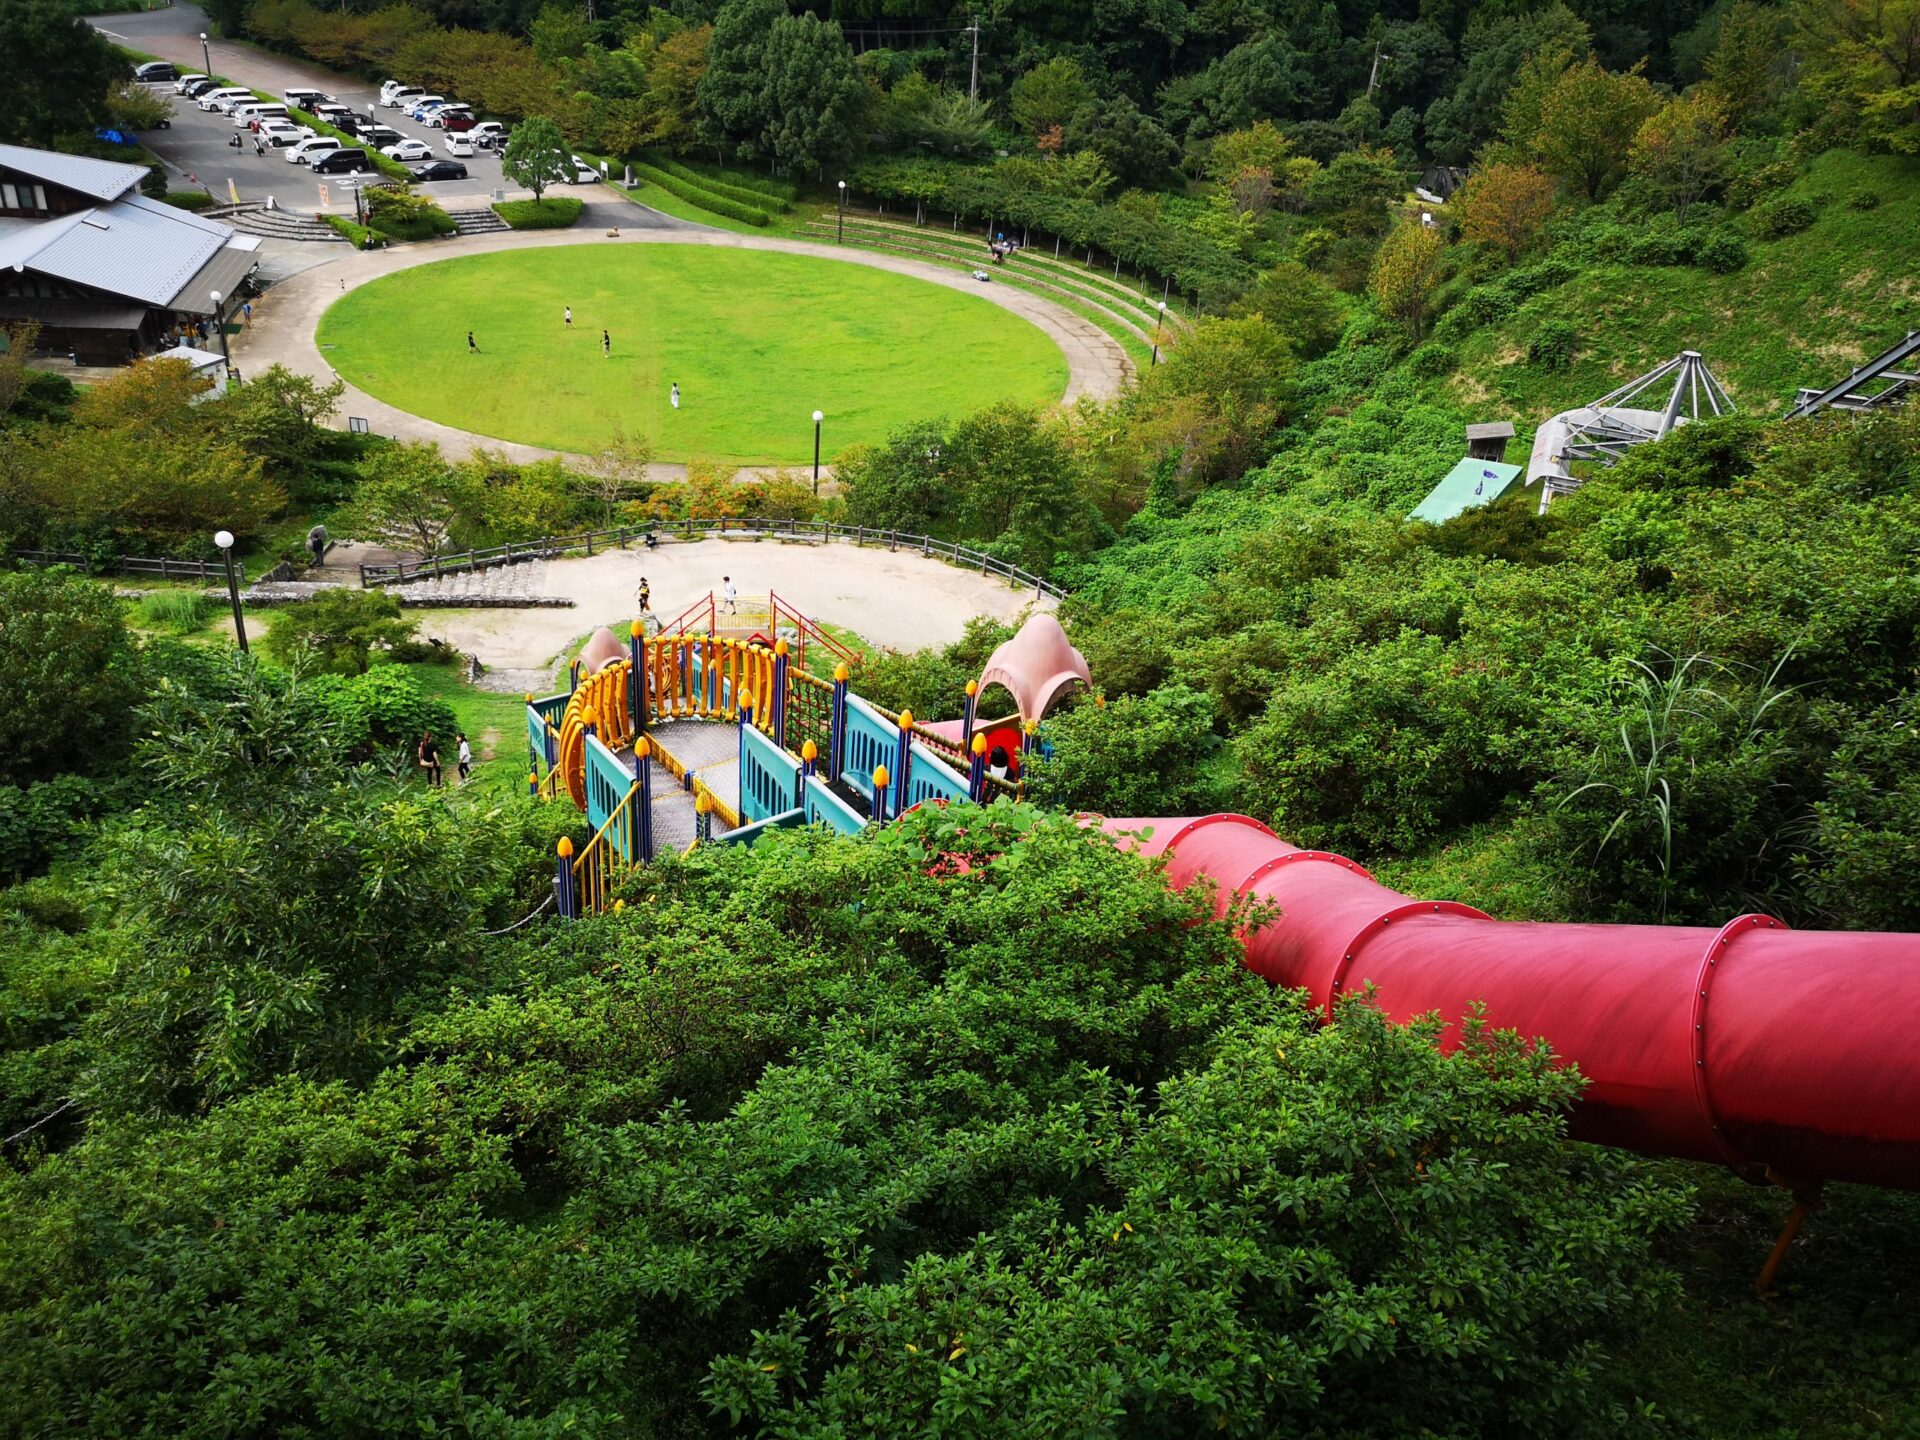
1683	389
1871	387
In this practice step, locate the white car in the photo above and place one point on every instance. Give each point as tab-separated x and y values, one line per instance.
223	99
420	104
585	174
311	149
190	78
245	115
387	87
407	150
459	145
401	95
282	133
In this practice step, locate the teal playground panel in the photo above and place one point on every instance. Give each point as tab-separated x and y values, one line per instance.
872	740
929	777
823	807
747	834
608	781
769	778
540	714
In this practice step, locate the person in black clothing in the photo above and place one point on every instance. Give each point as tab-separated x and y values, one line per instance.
473	346
430	757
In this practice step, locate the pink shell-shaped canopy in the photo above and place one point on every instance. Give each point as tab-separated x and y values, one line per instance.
602	650
1036	666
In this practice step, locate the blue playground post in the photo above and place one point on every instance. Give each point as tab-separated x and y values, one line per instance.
977	770
564	894
702	818
533	783
809	753
643	777
837	741
902	762
879	794
637	680
740	743
780	693
966	729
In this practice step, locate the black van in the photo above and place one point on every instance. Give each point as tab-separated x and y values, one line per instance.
155	70
349	160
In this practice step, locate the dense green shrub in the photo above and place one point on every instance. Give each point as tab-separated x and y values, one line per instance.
1554	345
404	215
1720	251
359	236
1864	200
553	212
379	714
1139	755
705	199
71	675
1432	360
40	823
338	631
189	199
1782	215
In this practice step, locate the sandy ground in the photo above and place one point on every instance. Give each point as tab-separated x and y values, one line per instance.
902	600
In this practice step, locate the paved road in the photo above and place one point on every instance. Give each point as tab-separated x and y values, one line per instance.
197	142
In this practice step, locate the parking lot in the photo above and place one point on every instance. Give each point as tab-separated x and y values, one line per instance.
198	141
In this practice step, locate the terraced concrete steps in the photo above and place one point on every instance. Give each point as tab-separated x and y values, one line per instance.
477	222
279	225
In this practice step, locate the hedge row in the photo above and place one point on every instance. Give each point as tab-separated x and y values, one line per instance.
357	235
740	179
740	195
386	165
1196	264
705	199
556	212
189	199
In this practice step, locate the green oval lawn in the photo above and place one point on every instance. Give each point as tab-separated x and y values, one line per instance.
758	340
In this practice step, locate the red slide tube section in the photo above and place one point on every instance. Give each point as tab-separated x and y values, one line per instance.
1752	1045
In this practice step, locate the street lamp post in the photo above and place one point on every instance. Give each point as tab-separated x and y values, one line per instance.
818	416
224	539
1156	331
841	239
220	324
206	58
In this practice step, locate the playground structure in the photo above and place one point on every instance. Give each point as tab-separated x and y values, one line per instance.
1605	430
716	735
1784	1055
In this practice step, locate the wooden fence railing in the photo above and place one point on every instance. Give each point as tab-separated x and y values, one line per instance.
592	541
158	565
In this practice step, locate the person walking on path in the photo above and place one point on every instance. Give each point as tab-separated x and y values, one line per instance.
465	757
246	313
644	595
429	753
732	595
673	395
568	313
473	347
606	344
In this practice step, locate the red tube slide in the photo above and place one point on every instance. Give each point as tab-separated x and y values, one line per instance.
1752	1045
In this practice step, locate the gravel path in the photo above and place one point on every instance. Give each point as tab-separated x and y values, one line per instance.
900	599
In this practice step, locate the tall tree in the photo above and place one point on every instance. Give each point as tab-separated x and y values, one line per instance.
1572	126
1405	273
55	71
1505	206
733	92
537	156
1863	67
813	98
409	497
1680	150
1046	96
1745	66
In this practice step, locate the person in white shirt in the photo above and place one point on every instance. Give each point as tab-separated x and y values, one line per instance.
674	395
466	758
731	595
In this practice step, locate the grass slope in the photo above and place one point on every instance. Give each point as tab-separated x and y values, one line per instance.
755	340
1804	310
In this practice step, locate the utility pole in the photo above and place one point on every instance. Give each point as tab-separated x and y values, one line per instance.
1374	74
973	82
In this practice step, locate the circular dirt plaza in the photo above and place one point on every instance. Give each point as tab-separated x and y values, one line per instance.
756	340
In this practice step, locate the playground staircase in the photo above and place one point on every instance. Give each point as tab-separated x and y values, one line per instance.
477	222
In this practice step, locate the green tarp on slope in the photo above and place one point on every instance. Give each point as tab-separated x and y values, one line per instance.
1470	483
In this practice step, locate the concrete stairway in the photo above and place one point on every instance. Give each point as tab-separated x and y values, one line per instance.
477	222
281	225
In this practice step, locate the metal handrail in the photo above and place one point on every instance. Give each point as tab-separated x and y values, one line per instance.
404	571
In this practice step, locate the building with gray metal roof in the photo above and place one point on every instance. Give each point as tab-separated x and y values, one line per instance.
104	271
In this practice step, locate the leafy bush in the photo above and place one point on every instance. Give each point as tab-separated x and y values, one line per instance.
1721	251
71	675
189	199
357	235
382	713
38	824
705	199
1864	200
338	630
1432	360
553	212
1554	345
404	215
1138	755
1782	215
181	611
